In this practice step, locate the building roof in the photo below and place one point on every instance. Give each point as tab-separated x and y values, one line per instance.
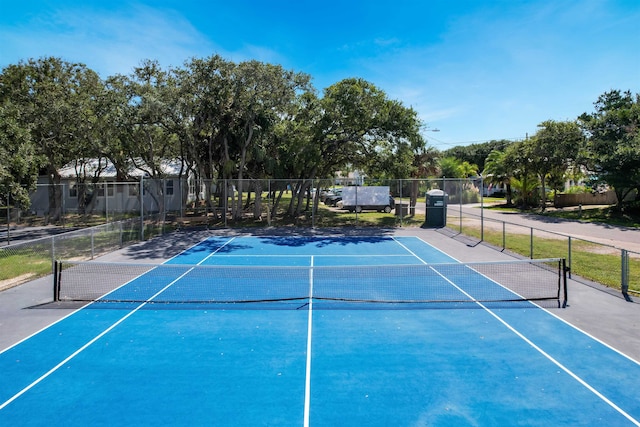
90	167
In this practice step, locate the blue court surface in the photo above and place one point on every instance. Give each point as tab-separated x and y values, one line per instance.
294	360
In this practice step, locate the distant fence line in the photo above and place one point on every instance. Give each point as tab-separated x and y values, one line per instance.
178	196
605	198
223	200
133	212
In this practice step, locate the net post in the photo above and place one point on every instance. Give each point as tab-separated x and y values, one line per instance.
565	270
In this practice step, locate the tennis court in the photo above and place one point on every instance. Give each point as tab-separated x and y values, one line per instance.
319	331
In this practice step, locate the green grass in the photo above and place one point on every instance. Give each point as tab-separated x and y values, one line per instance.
492	200
608	215
27	263
332	218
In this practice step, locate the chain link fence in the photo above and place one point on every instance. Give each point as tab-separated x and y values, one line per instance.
33	258
226	203
588	261
111	214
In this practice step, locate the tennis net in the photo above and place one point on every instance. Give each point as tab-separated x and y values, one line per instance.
402	285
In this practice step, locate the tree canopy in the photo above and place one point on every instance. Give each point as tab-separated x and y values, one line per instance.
550	152
252	120
612	151
220	119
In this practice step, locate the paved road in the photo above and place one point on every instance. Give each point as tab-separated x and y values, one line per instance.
20	234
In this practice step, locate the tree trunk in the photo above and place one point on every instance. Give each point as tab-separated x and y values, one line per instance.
55	196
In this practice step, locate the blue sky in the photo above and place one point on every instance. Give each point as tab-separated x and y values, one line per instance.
475	70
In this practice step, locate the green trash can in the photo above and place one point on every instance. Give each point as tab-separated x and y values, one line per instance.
436	212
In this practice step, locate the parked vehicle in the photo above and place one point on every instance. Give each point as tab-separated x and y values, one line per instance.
324	193
377	198
333	198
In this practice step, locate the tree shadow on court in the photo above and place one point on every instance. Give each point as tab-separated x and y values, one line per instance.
322	241
168	245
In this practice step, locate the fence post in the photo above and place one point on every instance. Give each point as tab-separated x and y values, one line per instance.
624	285
316	196
56	281
531	244
141	191
64	206
569	256
504	235
8	218
481	209
106	201
565	270
53	249
226	200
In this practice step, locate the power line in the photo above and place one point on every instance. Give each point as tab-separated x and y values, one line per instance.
453	144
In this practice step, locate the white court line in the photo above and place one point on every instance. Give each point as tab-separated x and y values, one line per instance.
103	333
429	245
410	251
547	355
84	347
84	306
581	381
193	246
316	256
307	380
216	251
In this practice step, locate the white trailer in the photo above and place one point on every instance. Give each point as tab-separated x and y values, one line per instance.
357	199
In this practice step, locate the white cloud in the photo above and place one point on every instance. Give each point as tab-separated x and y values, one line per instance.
108	41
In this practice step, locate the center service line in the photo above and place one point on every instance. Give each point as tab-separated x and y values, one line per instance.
307	381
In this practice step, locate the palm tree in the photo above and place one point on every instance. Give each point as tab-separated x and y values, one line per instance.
496	172
526	190
425	164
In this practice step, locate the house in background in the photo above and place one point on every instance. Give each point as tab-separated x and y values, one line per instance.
107	195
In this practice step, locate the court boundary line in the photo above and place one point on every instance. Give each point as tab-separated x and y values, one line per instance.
307	256
216	251
414	254
85	346
566	322
307	379
539	349
194	245
44	328
101	334
598	340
